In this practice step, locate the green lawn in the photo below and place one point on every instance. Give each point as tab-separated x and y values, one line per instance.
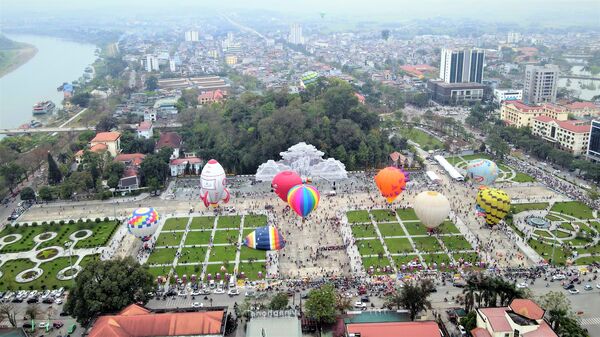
454	243
226	236
375	262
369	247
586	260
561	234
391	229
427	244
469	257
192	255
162	256
518	208
448	228
573	208
523	178
426	141
255	220
470	157
188	270
170	239
198	238
89	258
415	228
400	260
584	227
437	258
251	270
553	217
579	241
545	250
397	246
159	271
542	232
48	279
229	221
596	225
567	226
358	216
203	222
102	233
176	224
384	215
213	269
363	231
222	253
247	253
407	214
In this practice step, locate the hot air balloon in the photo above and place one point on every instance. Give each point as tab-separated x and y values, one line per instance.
431	208
494	204
391	181
283	182
143	222
265	238
482	171
309	78
212	184
303	199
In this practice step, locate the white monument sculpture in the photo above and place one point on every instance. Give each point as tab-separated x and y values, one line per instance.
305	160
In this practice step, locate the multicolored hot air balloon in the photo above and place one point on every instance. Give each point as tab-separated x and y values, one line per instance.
265	238
143	222
391	181
283	182
303	199
493	204
432	208
212	184
482	171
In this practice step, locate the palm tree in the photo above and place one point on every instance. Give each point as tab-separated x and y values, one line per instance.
412	297
32	311
555	317
394	298
342	303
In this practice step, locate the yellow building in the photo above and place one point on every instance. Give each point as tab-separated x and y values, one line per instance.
231	59
519	114
110	140
571	136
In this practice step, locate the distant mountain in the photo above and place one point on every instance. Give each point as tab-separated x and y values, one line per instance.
7	44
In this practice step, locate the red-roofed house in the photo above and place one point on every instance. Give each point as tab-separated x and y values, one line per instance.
131	159
171	140
178	166
581	109
137	321
418	70
394	329
519	114
145	130
130	180
361	98
208	97
522	318
112	140
572	135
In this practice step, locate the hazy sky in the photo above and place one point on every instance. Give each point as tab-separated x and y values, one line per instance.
506	10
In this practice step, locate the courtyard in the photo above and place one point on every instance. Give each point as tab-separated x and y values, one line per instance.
506	173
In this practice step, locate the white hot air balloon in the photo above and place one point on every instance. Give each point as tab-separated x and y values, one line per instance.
432	208
212	184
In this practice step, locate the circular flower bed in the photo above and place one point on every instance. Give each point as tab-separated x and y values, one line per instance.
11	238
29	275
47	254
68	273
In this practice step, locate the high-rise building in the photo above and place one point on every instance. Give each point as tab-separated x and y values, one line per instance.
462	65
593	149
192	36
295	36
151	63
513	37
172	65
540	83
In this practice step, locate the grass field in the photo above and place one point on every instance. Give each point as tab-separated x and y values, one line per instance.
383	215
436	258
162	256
222	253
448	228
251	221
427	244
406	214
202	222
170	239
454	243
426	141
247	253
364	231
176	224
229	221
358	216
518	208
192	255
369	247
573	208
398	245
415	228
226	236
391	229
523	178
198	238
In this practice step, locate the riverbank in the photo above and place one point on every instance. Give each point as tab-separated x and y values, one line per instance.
14	58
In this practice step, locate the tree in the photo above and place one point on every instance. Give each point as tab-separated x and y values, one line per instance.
151	83
385	34
412	297
8	311
81	99
106	124
27	194
108	286
153	185
154	167
279	301
45	193
12	173
32	311
321	304
54	174
469	322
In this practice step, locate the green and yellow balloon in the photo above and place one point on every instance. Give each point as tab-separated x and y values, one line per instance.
493	204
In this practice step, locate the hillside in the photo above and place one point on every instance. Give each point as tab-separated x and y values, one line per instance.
13	54
8	44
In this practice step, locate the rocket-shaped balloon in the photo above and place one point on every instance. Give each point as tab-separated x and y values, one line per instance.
212	184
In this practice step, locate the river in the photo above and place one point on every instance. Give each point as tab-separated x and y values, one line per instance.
56	61
584	89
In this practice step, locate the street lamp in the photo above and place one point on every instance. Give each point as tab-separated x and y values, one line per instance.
112	190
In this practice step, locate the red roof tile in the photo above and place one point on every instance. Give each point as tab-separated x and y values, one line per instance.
582	105
544	118
395	329
497	318
169	139
480	332
106	137
140	322
527	308
134	158
191	160
544	330
575	126
144	126
523	107
98	148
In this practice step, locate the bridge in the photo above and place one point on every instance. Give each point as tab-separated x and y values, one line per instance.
44	130
581	77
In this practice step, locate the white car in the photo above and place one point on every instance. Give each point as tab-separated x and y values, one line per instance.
573	291
598	285
233	292
196	293
197	305
219	291
58	301
522	285
558	277
360	305
462	330
182	293
43	325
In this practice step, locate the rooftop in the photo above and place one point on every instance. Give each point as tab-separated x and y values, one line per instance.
169	139
572	125
395	329
191	160
106	137
497	318
145	126
527	308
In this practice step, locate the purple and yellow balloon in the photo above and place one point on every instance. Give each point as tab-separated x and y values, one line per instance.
303	199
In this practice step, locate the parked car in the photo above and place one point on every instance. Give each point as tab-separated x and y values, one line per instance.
522	285
558	277
588	287
31	300
360	305
573	291
462	330
569	286
58	324
197	305
233	292
365	299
